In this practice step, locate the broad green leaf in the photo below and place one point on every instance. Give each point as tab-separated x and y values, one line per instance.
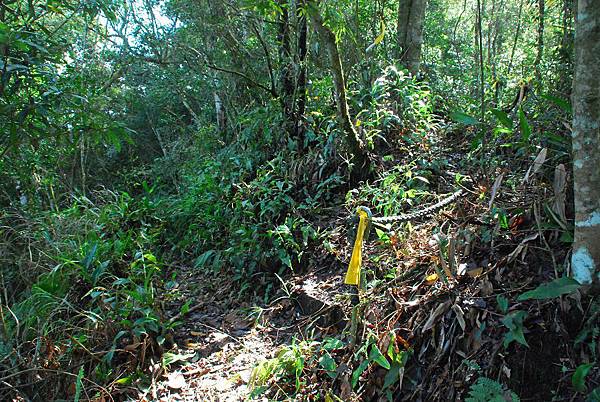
124	381
514	323
578	378
170	358
552	289
99	271
332	343
502	303
328	364
16	67
503	118
150	257
381	35
392	376
463	118
594	396
89	258
203	259
525	126
359	370
186	307
564	104
376	356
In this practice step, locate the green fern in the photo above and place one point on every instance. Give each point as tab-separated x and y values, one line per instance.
488	390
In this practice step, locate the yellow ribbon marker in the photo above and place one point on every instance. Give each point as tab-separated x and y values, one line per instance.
353	274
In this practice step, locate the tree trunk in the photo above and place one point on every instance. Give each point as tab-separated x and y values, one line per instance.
565	53
3	52
514	47
411	15
479	40
286	68
540	42
355	144
220	115
302	73
586	142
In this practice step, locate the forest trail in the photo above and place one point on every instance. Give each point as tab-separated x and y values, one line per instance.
222	338
218	345
186	185
219	367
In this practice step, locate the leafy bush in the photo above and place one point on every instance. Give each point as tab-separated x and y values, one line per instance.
397	107
95	294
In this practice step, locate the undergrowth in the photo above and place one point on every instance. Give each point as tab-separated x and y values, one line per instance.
85	281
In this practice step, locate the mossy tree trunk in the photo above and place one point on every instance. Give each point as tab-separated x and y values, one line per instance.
354	142
586	142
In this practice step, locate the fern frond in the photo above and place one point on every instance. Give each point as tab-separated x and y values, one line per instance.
488	390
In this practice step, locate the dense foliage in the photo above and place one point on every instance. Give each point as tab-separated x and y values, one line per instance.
140	136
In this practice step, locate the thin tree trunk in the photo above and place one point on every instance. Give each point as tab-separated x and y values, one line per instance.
286	73
220	115
540	42
585	261
3	51
159	138
480	50
82	158
302	74
512	53
496	44
454	42
490	32
355	144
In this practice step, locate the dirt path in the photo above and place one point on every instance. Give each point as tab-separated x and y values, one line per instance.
222	337
219	369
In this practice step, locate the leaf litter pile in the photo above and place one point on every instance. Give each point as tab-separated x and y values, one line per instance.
473	304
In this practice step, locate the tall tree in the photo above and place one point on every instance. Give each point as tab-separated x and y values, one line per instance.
411	15
586	141
354	142
540	41
303	69
286	66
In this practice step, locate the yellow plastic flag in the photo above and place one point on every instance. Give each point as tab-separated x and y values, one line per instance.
379	37
353	274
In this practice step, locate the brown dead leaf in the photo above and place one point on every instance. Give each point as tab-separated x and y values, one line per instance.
71	389
495	188
560	187
474	273
521	247
190	344
345	388
460	316
537	164
486	287
132	347
435	314
506	371
236	320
